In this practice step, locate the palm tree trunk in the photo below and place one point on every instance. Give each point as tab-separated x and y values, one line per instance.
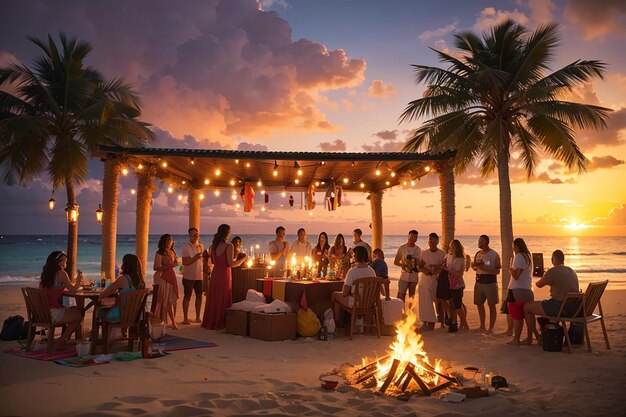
145	189
110	185
376	204
448	205
506	217
193	198
72	231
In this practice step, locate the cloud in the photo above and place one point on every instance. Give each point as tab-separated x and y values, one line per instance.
489	17
387	146
381	89
617	216
212	69
245	146
467	207
599	18
424	36
387	134
607	161
337	145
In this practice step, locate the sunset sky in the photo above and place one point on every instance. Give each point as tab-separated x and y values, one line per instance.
321	75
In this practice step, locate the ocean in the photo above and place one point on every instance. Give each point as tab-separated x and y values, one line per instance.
593	258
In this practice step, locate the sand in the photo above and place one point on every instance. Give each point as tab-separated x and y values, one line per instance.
245	376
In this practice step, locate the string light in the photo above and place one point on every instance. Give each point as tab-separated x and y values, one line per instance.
247	164
207	182
262	191
99	213
310	213
299	172
263	208
124	171
259	183
180	197
232	182
412	183
218	172
217	193
284	193
164	164
427	168
236	161
317	183
393	174
345	180
297	181
362	185
233	197
184	182
322	162
192	161
201	196
140	167
404	183
387	183
170	189
377	171
133	191
52	201
275	168
237	205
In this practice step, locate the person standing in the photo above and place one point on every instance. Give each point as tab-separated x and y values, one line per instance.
520	290
356	234
430	266
192	273
455	265
301	248
408	257
487	265
279	249
339	257
165	260
220	295
320	254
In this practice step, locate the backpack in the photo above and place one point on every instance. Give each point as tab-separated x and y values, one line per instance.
14	328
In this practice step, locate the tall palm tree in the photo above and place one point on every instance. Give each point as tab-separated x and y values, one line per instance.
497	95
60	110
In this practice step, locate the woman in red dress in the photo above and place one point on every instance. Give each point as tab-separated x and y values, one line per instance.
220	297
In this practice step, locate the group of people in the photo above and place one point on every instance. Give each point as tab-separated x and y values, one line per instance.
438	276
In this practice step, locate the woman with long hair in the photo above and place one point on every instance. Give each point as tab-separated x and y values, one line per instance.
165	262
319	253
55	281
339	256
520	291
220	296
455	265
131	278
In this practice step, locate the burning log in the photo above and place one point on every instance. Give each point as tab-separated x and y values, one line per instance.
390	375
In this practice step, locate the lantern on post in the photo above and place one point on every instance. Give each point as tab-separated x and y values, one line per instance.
99	213
52	201
71	213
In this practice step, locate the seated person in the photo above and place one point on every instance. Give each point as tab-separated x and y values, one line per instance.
131	278
237	246
380	267
360	270
54	282
561	279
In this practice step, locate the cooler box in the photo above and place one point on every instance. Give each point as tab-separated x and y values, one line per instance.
238	322
272	327
552	338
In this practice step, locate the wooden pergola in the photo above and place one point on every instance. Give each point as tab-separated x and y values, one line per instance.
196	170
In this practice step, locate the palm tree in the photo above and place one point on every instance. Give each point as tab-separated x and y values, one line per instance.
498	96
60	111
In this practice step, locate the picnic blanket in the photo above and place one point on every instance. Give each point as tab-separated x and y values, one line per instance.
42	354
182	343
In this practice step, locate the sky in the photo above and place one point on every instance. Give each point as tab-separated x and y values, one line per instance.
321	75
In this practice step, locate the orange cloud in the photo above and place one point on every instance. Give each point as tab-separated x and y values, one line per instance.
337	145
599	18
381	89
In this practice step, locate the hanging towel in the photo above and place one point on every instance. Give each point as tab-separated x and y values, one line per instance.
310	197
339	196
330	197
247	195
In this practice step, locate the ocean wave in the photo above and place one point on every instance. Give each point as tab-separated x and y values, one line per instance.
602	270
13	280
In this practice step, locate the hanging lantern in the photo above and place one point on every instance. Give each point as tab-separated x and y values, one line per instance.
99	213
52	201
71	213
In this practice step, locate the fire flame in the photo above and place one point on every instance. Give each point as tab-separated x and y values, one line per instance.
407	347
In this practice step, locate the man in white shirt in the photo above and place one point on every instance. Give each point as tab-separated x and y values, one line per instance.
192	273
279	248
430	266
300	248
356	234
487	265
407	258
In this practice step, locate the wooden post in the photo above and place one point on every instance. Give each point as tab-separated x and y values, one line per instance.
194	207
110	185
376	203
145	189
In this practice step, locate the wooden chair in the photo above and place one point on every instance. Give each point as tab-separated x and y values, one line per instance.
38	312
585	313
366	303
132	317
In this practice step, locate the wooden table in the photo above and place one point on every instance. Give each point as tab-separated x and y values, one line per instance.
94	301
244	279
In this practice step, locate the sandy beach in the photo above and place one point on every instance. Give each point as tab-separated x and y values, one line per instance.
245	376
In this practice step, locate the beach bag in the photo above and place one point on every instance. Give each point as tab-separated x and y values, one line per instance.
308	325
14	328
552	338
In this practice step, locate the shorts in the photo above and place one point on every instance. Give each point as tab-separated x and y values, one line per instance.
57	314
551	307
403	285
194	285
443	286
456	300
517	295
486	292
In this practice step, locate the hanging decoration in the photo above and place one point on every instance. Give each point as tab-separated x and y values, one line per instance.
310	197
332	199
291	200
247	195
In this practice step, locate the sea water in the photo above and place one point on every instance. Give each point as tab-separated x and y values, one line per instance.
593	258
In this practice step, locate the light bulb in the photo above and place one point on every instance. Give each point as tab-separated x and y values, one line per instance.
275	173
345	180
234	197
259	183
218	172
140	167
284	194
247	164
362	185
164	164
299	172
377	171
393	174
207	182
297	181
412	183
133	191
236	161
232	182
170	189
180	197
217	193
201	196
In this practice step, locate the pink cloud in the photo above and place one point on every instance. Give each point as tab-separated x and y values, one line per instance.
381	89
607	161
387	134
599	18
336	145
